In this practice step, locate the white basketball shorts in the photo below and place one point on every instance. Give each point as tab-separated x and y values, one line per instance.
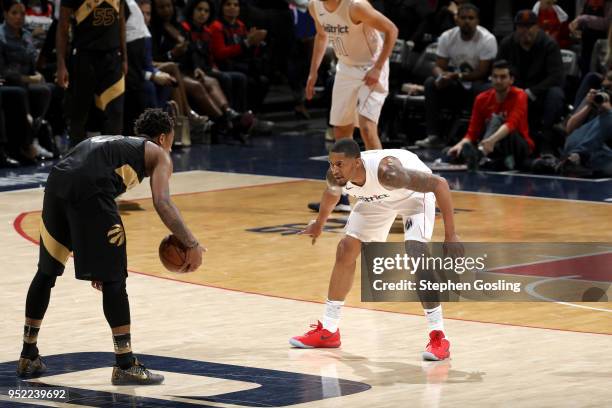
351	97
371	222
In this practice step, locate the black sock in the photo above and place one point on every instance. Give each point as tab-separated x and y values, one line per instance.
123	350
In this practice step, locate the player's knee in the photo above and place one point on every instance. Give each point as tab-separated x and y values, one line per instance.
367	128
43	281
348	250
114	288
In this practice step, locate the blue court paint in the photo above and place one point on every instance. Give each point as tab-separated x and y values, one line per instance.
276	388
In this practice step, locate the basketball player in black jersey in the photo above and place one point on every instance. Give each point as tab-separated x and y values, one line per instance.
80	215
97	61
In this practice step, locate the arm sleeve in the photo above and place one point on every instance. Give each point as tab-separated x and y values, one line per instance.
555	75
442	50
149	68
503	50
489	49
517	111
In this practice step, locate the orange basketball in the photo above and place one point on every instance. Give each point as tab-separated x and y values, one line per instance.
172	253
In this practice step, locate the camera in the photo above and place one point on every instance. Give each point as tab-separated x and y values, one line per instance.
602	96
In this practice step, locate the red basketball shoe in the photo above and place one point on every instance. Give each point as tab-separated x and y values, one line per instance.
438	347
318	337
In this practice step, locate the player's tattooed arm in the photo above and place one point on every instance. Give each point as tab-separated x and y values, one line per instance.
160	189
332	185
392	175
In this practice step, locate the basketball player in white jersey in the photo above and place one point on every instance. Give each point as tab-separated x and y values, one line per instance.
386	183
354	28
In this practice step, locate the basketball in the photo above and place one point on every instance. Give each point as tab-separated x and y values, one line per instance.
172	253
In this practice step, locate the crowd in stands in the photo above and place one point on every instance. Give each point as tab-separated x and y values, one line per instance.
499	85
519	85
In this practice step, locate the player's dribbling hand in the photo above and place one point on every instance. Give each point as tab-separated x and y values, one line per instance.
310	84
313	229
193	259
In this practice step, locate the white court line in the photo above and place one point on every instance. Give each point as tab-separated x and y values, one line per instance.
533	197
546	261
608	200
530	289
514	173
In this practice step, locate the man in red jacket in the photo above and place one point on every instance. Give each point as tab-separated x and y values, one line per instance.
498	125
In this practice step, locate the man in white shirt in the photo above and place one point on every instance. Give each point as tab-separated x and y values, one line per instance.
464	60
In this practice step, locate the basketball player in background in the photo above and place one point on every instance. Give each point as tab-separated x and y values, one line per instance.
80	215
386	183
361	84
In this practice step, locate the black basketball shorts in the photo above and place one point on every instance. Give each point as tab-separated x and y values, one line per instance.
91	229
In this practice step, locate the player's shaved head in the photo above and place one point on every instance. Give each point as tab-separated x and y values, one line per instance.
348	147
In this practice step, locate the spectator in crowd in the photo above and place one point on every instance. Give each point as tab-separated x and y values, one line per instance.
553	20
21	80
5	159
275	17
140	92
162	76
591	25
498	125
198	15
38	20
588	149
171	43
539	71
464	56
236	49
593	79
98	65
412	19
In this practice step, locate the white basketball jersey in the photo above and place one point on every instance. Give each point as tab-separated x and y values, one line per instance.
372	191
354	44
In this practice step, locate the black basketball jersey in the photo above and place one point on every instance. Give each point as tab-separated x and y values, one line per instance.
96	23
99	165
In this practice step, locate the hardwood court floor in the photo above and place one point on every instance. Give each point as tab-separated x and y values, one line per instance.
289	266
501	363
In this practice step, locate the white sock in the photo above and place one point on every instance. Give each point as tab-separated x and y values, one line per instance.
331	318
434	318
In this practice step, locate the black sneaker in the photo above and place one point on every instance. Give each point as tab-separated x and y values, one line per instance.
431	142
545	164
343	205
30	367
135	375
